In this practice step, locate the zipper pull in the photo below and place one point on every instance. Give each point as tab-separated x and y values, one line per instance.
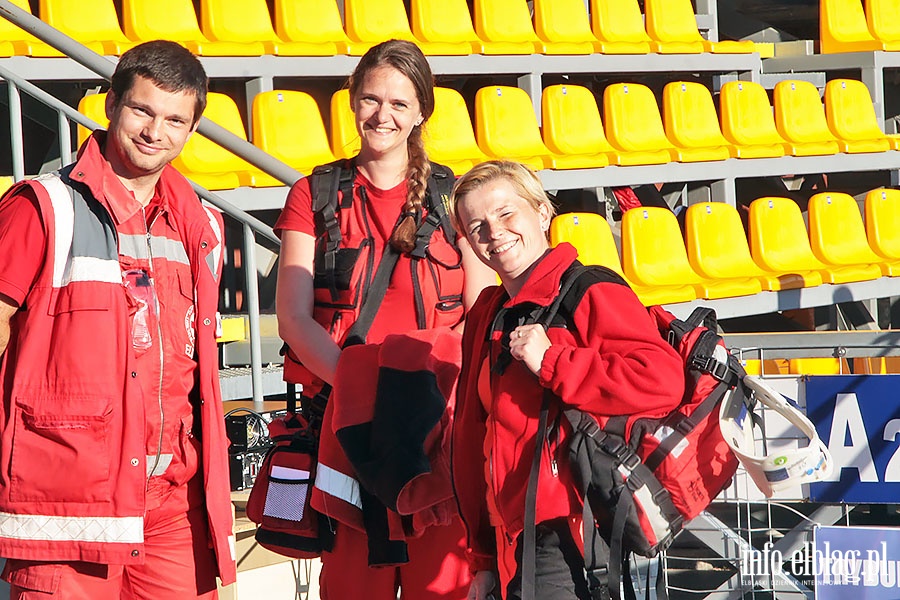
554	468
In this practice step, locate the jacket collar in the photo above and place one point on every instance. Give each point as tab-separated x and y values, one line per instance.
542	285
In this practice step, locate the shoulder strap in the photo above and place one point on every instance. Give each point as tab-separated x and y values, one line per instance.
325	183
374	296
440	185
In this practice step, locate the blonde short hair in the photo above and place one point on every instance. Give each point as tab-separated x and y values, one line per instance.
523	180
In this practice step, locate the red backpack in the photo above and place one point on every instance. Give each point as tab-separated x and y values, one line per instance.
639	493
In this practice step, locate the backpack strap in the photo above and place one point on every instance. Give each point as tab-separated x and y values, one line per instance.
325	183
440	185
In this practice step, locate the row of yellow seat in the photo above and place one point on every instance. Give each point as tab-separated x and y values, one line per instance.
874	365
289	125
847	26
715	260
315	28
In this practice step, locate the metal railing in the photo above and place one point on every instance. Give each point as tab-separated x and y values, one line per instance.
251	226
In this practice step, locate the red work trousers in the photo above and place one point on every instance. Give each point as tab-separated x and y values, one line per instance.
437	568
178	565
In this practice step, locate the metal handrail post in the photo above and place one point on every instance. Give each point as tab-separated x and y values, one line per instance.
252	299
65	139
17	139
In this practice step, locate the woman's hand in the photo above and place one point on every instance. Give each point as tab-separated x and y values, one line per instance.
483	583
528	343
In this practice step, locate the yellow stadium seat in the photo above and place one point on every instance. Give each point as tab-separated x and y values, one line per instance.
15	41
571	124
691	123
876	365
779	242
145	20
93	23
838	237
654	255
843	28
800	119
618	25
93	106
818	366
506	25
591	236
369	22
634	126
883	222
506	127
851	117
717	248
249	22
564	26
344	137
673	24
288	125
311	21
748	121
448	134
773	366
6	182
881	16
447	21
210	165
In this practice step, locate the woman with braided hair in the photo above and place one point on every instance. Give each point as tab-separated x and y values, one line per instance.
383	197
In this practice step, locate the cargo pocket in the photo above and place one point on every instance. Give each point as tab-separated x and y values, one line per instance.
59	457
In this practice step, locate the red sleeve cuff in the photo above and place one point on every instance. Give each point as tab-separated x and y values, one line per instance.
548	364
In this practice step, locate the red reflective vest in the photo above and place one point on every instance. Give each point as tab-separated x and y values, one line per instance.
72	434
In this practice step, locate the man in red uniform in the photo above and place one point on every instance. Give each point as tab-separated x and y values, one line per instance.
113	465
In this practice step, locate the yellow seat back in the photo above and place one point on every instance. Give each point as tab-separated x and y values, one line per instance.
836	230
448	134
632	120
591	236
851	117
619	25
6	182
507	22
564	24
374	21
344	136
94	23
843	27
147	20
571	121
673	24
883	222
93	106
716	244
506	126
310	21
778	238
691	122
288	125
748	121
800	118
653	251
881	16
15	41
443	21
244	21
818	366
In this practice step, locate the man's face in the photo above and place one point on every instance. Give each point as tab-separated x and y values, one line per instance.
148	127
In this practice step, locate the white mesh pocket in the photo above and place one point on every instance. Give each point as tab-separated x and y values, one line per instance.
286	500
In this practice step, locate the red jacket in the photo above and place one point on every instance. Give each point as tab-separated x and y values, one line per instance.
614	363
72	456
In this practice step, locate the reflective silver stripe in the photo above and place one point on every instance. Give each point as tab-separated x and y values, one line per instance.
121	530
334	483
164	461
212	259
135	246
64	220
89	268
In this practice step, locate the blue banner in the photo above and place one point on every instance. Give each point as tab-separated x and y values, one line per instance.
856	563
858	418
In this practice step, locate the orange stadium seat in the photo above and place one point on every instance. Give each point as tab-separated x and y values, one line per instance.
718	249
93	23
883	222
311	21
691	123
838	237
15	41
634	126
572	126
619	27
748	121
673	24
287	124
249	22
591	236
851	117
448	135
564	26
800	119
176	20
506	24
447	21
369	22
843	28
344	137
506	126
779	242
